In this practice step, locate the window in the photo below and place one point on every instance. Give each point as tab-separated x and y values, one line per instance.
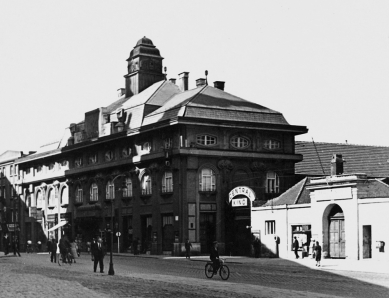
51	166
52	198
146	185
64	163
110	190
206	140
272	183
39	169
109	155
127	191
167	220
270	227
207	180
64	196
146	147
94	192
28	171
11	170
168	143
240	142
79	195
92	159
78	162
126	151
167	182
272	144
39	200
28	201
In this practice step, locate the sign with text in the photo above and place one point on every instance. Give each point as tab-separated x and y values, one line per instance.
242	191
239	202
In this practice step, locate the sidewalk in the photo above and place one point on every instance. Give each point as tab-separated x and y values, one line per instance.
365	265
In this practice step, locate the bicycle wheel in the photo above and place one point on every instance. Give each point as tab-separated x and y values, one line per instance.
209	270
224	272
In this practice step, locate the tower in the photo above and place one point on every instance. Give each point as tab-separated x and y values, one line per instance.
144	67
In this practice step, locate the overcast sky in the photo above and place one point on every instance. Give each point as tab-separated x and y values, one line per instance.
323	64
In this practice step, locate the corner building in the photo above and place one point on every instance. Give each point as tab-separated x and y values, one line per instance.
167	157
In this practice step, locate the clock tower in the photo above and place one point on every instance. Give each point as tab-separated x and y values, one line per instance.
144	67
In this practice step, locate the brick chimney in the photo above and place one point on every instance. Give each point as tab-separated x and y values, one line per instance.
219	85
201	82
336	164
183	81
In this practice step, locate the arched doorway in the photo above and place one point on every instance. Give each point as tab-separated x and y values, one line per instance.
334	231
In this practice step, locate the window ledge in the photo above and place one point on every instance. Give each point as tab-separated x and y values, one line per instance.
166	193
127	198
93	202
78	203
51	207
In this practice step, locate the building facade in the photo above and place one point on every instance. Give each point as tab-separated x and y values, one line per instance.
157	165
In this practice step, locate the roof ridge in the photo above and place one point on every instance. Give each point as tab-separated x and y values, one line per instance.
343	144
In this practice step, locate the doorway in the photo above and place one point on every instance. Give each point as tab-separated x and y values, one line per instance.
337	239
366	242
207	230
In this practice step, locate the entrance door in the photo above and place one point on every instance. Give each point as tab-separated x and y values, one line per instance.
337	238
366	242
207	230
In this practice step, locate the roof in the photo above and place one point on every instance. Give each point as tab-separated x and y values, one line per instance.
297	194
370	160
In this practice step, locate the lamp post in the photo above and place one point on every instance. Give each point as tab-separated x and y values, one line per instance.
111	271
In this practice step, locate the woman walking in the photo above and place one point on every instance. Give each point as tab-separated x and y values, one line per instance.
317	253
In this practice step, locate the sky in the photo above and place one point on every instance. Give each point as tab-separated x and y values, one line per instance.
323	64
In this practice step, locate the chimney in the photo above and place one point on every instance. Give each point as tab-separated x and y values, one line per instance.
201	82
173	81
336	164
121	92
183	81
219	85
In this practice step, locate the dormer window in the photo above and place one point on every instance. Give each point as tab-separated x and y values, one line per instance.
206	140
240	142
272	144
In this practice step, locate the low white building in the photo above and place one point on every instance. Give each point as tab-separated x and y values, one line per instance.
347	214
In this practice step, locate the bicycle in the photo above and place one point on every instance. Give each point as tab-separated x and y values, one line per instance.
68	258
224	271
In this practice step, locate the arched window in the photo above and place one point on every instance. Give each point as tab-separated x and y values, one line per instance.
146	184
94	192
207	180
272	182
52	198
167	182
110	190
79	195
39	199
127	191
65	196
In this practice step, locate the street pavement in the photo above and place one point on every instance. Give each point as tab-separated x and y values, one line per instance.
162	276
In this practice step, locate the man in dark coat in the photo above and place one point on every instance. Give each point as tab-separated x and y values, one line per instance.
15	246
64	246
53	250
6	244
188	246
215	257
296	247
98	250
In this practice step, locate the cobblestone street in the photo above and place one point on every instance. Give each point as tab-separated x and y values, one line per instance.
33	274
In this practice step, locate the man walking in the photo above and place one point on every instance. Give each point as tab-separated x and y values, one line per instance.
6	244
53	251
98	254
188	246
15	246
296	247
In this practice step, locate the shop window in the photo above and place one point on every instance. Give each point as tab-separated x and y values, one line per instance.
207	180
127	191
270	227
240	142
110	190
206	140
146	184
94	192
79	195
167	182
272	182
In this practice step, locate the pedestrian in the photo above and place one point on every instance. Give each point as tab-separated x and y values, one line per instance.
73	250
64	246
15	246
312	249
296	247
317	254
257	247
188	246
214	256
92	246
57	254
99	251
6	244
53	251
78	242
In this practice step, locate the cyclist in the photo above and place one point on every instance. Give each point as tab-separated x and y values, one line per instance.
215	257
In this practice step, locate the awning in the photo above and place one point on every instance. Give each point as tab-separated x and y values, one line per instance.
61	224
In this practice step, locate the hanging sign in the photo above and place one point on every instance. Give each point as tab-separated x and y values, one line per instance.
239	202
242	191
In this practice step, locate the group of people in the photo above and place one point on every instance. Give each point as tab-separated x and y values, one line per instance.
11	243
316	250
63	248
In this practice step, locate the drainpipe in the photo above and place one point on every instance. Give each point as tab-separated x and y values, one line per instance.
287	229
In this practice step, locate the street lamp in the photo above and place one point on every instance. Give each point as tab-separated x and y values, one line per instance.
111	270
